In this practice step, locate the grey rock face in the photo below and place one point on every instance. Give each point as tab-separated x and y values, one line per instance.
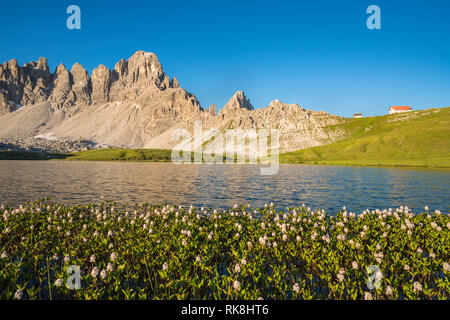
212	110
81	84
140	79
62	94
236	103
133	105
174	83
23	85
101	82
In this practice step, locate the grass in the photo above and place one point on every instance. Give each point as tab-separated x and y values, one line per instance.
151	155
28	155
168	252
155	155
418	139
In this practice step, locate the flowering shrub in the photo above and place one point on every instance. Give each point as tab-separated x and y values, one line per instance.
167	252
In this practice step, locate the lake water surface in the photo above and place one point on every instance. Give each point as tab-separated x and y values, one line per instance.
222	186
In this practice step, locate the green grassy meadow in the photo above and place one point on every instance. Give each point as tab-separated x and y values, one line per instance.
417	139
154	155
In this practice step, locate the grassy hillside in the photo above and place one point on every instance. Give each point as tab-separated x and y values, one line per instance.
154	155
121	155
420	138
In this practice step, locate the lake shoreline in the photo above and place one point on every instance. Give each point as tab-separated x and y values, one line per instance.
30	156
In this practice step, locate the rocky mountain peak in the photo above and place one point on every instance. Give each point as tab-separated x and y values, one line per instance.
238	102
212	110
60	69
174	83
140	79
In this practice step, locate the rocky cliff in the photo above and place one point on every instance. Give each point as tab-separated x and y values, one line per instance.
133	105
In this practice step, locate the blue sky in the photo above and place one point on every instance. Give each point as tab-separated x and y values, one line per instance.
318	54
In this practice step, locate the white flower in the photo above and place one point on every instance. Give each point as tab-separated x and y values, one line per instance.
94	272
58	282
165	266
198	259
368	296
8	230
237	268
262	241
355	265
113	256
4	255
103	274
18	295
66	259
236	285
92	258
446	267
406	267
389	291
296	288
244	261
417	286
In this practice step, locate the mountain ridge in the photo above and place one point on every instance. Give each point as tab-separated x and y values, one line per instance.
133	105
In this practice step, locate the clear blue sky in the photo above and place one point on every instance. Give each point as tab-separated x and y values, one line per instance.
318	53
